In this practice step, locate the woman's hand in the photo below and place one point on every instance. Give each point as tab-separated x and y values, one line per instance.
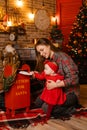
52	84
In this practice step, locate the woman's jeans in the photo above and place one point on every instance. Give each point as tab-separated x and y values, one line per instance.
67	108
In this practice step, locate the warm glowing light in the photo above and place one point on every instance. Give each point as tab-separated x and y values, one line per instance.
34	41
9	23
31	16
58	20
19	3
53	19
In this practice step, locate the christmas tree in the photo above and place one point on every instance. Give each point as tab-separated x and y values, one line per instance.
77	46
56	33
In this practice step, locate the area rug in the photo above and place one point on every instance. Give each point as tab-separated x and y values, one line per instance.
33	117
82	112
21	119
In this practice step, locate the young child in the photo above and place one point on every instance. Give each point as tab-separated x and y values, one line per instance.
54	96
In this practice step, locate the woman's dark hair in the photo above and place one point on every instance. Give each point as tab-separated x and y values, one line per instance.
39	58
46	42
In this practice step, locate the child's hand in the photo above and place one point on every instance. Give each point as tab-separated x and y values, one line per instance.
31	72
35	71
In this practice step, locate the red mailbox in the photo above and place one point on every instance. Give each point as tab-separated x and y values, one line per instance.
19	94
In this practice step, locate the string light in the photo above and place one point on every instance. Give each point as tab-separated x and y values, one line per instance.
31	16
19	3
9	23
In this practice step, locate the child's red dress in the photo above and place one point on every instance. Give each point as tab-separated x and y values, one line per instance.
54	96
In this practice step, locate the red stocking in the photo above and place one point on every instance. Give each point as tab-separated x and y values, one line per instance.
49	110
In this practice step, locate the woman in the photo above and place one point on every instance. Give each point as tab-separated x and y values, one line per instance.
45	50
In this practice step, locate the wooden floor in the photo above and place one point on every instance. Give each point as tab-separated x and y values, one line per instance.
73	124
83	95
52	124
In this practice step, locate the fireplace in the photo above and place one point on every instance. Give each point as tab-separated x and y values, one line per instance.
28	56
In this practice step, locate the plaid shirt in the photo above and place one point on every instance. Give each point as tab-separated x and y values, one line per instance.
69	70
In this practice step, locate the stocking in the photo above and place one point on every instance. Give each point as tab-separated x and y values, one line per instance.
49	110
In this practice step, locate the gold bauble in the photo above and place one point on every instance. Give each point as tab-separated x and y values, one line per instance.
74	41
79	51
85	2
85	34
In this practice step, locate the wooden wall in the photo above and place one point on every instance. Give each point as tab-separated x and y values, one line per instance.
66	15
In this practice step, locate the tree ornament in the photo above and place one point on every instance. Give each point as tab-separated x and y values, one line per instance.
85	25
79	34
75	42
79	51
85	34
85	2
